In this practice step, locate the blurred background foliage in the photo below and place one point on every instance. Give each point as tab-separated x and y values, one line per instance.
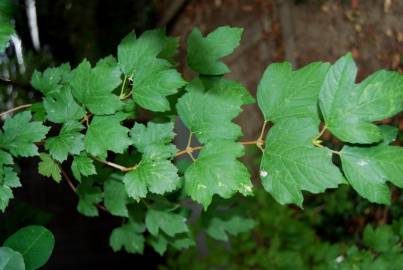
336	230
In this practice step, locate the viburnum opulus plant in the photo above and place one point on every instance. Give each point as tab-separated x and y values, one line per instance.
130	169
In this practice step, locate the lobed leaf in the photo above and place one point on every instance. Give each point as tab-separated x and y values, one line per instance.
284	93
349	109
105	133
154	139
368	168
6	194
20	135
133	53
49	168
129	237
51	81
158	176
61	107
69	141
115	198
153	78
212	122
291	163
93	87
169	223
204	52
160	243
82	165
217	171
89	196
219	228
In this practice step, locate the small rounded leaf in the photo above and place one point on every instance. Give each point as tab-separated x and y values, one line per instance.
35	243
11	259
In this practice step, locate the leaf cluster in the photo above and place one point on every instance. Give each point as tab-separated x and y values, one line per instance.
130	169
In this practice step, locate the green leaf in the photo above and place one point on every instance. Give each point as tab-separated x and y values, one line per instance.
169	223
51	80
291	163
8	179
93	87
219	228
154	140
35	243
38	112
368	168
82	165
217	171
153	83
69	141
159	244
62	107
6	194
11	178
7	8
49	168
5	158
6	28
106	133
170	49
389	134
20	134
115	198
154	173
211	122
204	52
161	241
134	53
128	237
182	243
223	85
285	93
89	196
348	108
382	239
159	177
153	78
11	259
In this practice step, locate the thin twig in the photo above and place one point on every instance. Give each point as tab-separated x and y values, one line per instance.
86	119
127	95
69	181
74	189
191	156
334	152
16	109
122	89
260	141
318	143
116	166
262	131
180	153
249	142
188	150
189	140
320	133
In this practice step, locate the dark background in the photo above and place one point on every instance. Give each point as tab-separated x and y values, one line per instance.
297	31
